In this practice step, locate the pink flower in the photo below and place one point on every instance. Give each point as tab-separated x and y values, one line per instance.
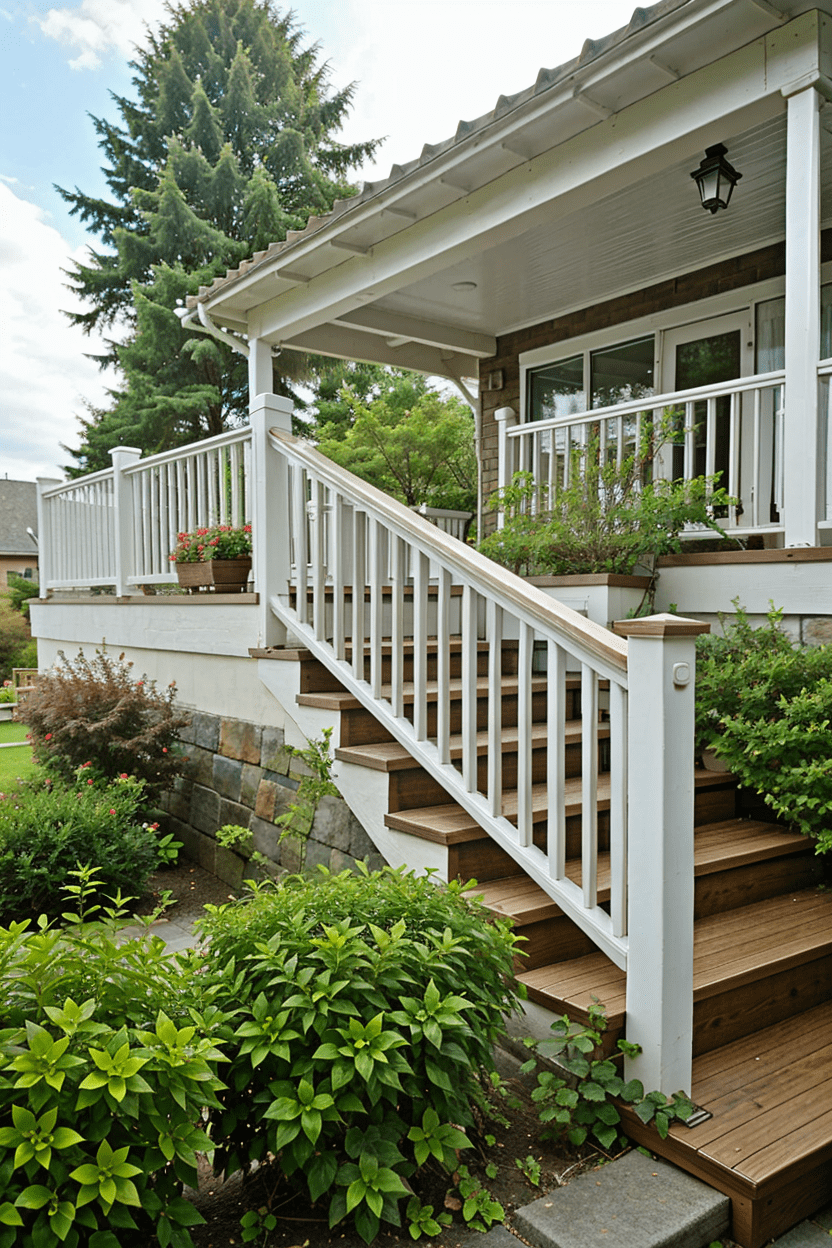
112	812
139	684
48	736
123	776
164	749
90	781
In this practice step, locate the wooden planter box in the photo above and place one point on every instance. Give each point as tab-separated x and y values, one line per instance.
223	576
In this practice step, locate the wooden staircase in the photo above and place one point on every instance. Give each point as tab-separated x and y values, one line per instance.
762	949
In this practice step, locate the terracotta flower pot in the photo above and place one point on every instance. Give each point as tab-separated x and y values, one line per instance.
224	576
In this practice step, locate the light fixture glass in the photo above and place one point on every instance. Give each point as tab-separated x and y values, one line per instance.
463	287
716	178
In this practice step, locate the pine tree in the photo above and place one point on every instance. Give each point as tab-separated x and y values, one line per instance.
228	145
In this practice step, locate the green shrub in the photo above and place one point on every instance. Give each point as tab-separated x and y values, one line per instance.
14	638
20	590
8	693
47	828
363	1010
94	711
765	707
105	1070
577	1099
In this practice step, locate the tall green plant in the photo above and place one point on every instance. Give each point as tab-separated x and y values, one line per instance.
363	1012
606	518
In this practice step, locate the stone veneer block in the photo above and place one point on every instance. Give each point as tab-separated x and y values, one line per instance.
205	809
332	823
318	854
200	765
205	731
817	630
292	855
265	838
239	739
227	777
249	784
273	799
273	753
233	812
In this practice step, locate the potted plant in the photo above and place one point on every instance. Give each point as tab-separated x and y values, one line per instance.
594	542
218	557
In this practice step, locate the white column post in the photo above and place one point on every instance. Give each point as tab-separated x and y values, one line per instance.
45	551
260	375
661	669
271	554
123	524
506	419
801	425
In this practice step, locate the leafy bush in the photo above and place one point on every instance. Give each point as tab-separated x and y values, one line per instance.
14	639
607	518
46	829
8	693
20	590
93	711
354	1056
578	1103
765	707
105	1068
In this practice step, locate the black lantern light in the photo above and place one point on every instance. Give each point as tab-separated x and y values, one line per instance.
716	178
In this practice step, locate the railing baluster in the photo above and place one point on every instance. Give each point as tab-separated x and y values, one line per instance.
337	540
589	785
757	457
443	671
359	561
524	735
300	535
376	578
397	560
556	758
618	808
734	456
421	572
318	565
494	633
469	689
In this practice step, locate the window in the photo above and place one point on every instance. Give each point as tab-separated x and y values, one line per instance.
592	379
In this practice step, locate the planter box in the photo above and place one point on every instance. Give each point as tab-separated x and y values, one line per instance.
224	576
602	597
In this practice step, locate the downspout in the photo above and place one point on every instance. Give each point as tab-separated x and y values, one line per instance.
207	326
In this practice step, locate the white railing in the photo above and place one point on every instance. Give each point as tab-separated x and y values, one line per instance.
734	429
118	527
825	439
78	532
192	487
344	590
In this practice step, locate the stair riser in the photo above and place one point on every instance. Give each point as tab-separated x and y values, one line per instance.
756	881
742	1010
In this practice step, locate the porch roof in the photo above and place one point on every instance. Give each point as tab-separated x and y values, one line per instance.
572	191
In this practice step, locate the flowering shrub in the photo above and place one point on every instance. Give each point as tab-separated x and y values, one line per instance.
95	711
223	541
8	693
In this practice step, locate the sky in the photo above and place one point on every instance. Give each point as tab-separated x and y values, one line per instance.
420	66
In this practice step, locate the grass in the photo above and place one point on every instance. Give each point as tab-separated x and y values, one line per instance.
15	763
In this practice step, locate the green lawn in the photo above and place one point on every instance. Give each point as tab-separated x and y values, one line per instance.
15	762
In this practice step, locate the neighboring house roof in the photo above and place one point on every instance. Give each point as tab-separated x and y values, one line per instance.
18	512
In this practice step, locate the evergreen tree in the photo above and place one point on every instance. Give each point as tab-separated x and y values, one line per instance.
228	145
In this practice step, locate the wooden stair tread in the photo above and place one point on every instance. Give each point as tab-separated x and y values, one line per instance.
343	700
735	842
575	985
437	823
391	756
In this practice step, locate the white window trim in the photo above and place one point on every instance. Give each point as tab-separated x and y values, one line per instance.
745	298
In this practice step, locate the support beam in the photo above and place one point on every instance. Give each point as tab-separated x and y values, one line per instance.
801	427
411	328
260	377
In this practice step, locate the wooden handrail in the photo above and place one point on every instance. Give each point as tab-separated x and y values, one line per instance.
469	564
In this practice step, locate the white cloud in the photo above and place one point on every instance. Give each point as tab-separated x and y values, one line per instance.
97	28
44	373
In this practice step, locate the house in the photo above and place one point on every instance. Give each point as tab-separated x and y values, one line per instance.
557	249
18	530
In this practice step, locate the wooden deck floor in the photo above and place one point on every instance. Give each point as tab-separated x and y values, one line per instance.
770	1096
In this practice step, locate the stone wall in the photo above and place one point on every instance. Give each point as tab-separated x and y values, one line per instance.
241	773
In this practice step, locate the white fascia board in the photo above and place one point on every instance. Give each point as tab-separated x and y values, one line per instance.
733	94
395	325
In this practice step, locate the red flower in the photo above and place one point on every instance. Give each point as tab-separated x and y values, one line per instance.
112	812
48	736
90	781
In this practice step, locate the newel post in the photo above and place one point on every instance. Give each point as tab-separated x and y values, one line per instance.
123	457
271	554
661	672
47	561
506	419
